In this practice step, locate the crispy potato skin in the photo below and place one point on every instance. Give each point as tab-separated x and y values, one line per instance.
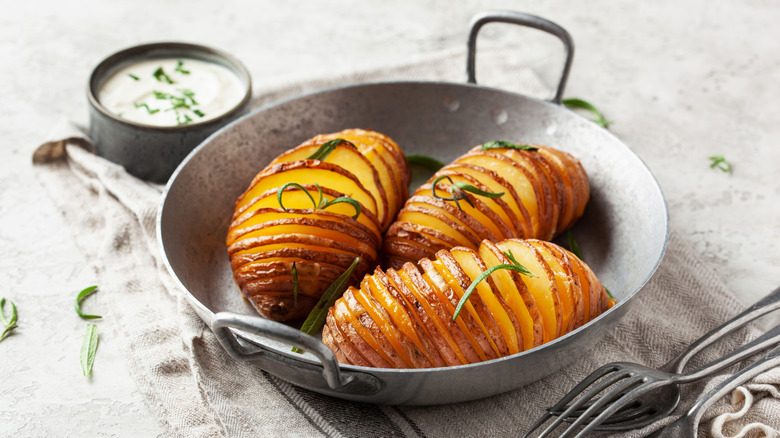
545	192
271	234
414	306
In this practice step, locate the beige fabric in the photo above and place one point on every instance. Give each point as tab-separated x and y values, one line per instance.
195	389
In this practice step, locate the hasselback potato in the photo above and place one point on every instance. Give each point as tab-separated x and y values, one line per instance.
404	318
496	191
288	241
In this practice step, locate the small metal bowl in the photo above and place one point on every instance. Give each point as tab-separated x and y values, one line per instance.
150	152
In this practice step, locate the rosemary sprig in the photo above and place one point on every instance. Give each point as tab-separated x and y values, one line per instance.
326	148
88	349
720	162
81	297
294	273
180	69
8	324
458	191
501	144
514	266
323	203
582	104
316	318
161	76
425	161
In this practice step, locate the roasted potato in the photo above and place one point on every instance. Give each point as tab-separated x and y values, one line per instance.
543	192
404	318
276	225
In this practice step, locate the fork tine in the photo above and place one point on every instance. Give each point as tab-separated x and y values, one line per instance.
623	398
608	380
587	381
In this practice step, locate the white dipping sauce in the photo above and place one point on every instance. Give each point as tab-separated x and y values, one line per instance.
171	91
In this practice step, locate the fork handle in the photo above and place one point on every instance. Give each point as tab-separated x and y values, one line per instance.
769	361
765	305
769	339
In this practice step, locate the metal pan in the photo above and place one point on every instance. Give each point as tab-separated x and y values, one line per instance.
623	233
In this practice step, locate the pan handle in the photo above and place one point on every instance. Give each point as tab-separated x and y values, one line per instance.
303	373
523	19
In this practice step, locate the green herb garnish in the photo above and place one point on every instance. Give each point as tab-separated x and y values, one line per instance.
182	120
316	318
81	296
88	349
189	94
199	113
514	266
501	144
149	110
458	191
8	324
180	69
581	104
425	161
720	162
294	273
323	203
160	75
135	78
326	148
573	247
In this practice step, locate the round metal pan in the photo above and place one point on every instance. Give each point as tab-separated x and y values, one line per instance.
623	234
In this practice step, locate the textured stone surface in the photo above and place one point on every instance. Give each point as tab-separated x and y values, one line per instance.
681	81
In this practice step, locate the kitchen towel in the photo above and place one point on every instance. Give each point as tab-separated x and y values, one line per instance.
196	390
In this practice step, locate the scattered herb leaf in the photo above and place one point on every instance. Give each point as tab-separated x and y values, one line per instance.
573	247
180	69
316	318
284	187
294	273
581	104
425	161
81	296
514	266
199	113
135	78
182	120
160	75
720	162
189	94
149	110
326	148
88	349
501	144
458	191
10	323
342	199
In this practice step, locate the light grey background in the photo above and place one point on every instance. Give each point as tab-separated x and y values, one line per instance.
681	80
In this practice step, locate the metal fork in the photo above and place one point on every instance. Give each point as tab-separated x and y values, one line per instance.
649	393
687	426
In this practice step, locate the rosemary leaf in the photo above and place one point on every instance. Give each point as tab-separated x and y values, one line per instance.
81	296
501	144
294	273
10	323
316	318
582	104
458	189
573	247
344	199
88	349
476	191
282	188
720	162
425	161
326	148
514	266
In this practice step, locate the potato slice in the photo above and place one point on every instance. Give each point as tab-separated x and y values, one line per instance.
568	288
542	187
516	295
542	287
358	335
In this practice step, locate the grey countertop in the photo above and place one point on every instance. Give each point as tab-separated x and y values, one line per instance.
681	81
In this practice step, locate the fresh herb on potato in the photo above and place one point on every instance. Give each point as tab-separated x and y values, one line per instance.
501	144
323	203
458	191
326	148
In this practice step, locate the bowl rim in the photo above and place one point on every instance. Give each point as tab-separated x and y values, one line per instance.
186	50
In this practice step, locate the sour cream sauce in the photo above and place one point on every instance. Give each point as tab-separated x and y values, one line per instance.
171	92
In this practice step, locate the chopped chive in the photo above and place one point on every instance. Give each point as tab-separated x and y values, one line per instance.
134	77
720	162
160	75
149	110
180	69
199	113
